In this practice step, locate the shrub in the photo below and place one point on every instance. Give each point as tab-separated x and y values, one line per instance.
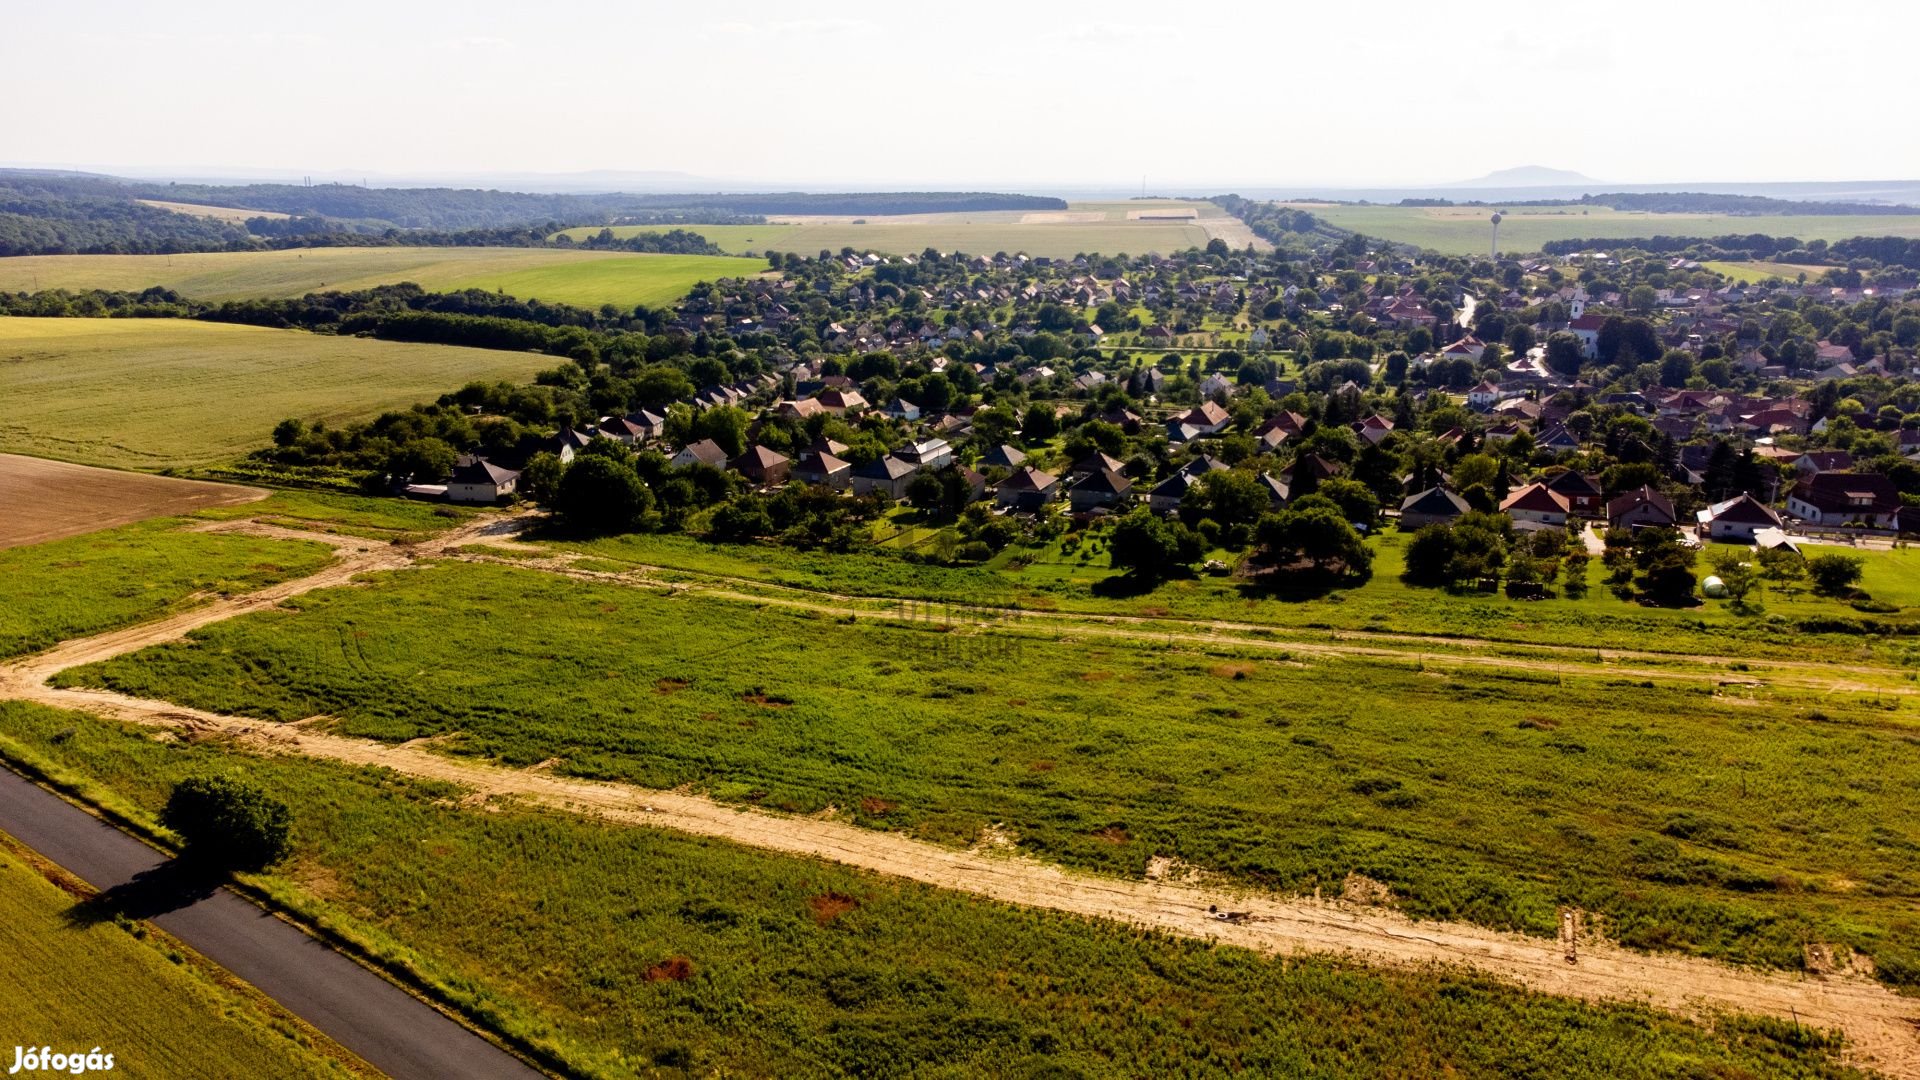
1834	575
228	823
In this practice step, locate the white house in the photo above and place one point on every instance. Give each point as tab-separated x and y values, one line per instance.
477	480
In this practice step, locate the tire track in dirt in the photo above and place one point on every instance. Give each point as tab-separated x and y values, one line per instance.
1882	1028
1470	652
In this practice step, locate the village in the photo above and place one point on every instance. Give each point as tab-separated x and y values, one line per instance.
1578	395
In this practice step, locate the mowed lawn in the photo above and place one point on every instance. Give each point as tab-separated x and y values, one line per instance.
158	393
1108	228
74	983
585	278
1465	230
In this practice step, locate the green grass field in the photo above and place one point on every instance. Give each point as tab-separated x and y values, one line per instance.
585	278
75	985
158	393
1055	578
638	952
1750	272
1464	230
86	584
1687	820
1082	228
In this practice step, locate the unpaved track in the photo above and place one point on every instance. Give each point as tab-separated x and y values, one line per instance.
1460	652
1882	1028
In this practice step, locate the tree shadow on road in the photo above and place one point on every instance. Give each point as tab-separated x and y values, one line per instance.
168	887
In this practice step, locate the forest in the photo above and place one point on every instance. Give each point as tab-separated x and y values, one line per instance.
61	213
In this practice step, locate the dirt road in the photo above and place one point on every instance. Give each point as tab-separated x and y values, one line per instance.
1385	645
1883	1029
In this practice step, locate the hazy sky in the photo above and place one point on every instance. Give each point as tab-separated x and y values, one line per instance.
975	93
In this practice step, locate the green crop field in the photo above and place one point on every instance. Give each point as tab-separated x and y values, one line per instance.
1729	827
639	952
159	393
1464	230
1107	228
585	278
75	984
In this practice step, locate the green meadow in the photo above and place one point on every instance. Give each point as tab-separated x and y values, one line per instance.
1739	826
172	393
1465	230
1750	272
87	584
583	278
628	952
1073	575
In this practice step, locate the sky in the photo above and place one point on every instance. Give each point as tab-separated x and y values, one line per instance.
978	94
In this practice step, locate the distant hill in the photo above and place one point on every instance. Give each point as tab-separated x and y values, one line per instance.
1525	176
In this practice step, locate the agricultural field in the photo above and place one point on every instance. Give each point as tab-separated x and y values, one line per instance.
1750	272
69	588
48	500
1464	230
1106	228
1731	823
170	393
232	215
584	278
74	983
636	952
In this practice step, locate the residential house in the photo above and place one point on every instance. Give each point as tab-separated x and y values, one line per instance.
1207	417
1537	504
704	452
1834	498
1815	462
1028	489
622	429
1434	506
887	475
1736	519
927	454
823	468
762	466
839	402
477	480
1167	494
1096	462
1581	491
1643	508
801	409
1003	457
1106	488
1557	439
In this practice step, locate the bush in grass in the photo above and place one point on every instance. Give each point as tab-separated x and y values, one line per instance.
228	823
1834	575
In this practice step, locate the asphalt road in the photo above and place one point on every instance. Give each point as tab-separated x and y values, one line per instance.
389	1029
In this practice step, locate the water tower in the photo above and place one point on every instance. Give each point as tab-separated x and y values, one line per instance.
1496	236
